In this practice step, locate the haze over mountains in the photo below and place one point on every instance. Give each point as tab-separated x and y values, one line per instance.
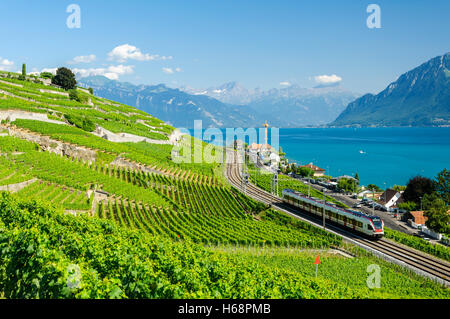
230	105
420	97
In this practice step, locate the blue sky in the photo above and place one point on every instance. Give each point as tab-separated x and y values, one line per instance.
207	43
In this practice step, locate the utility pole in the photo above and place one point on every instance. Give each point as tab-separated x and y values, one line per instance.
271	185
309	185
245	183
275	182
373	200
256	167
323	213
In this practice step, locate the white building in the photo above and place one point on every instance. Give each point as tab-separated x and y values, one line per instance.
390	198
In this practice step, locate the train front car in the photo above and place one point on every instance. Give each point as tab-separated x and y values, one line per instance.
378	225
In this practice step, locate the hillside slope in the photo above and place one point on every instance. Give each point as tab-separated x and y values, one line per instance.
420	97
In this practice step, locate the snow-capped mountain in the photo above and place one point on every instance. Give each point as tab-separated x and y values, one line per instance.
291	106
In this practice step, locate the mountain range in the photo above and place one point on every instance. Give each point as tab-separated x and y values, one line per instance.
420	97
230	105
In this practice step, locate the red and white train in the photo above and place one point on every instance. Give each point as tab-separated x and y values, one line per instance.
371	226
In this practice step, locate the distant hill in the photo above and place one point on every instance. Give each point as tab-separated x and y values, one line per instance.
420	97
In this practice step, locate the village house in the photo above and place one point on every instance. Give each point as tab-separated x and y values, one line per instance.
317	170
390	198
418	217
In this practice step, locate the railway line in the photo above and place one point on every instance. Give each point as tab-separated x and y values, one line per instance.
421	263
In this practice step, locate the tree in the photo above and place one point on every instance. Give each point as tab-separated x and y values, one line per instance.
23	76
418	187
442	185
373	187
438	217
305	171
357	177
408	206
91	90
65	79
346	184
399	188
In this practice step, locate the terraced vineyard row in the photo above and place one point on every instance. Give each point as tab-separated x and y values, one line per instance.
10	174
145	153
206	228
70	199
62	171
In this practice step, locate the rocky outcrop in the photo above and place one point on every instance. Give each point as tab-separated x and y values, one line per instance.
13	188
12	115
54	92
54	146
125	137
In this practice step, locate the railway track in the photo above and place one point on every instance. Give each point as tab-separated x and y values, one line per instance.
417	261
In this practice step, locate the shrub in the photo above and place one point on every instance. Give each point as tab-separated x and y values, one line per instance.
46	75
80	122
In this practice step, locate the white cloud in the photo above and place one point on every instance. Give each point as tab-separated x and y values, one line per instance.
5	64
327	79
124	52
83	59
170	70
112	72
285	83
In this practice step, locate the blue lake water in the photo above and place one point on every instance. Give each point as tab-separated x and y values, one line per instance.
389	155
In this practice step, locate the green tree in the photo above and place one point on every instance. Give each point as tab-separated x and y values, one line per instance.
305	171
438	217
357	177
91	90
65	79
399	188
23	76
442	185
373	187
408	206
417	187
346	184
